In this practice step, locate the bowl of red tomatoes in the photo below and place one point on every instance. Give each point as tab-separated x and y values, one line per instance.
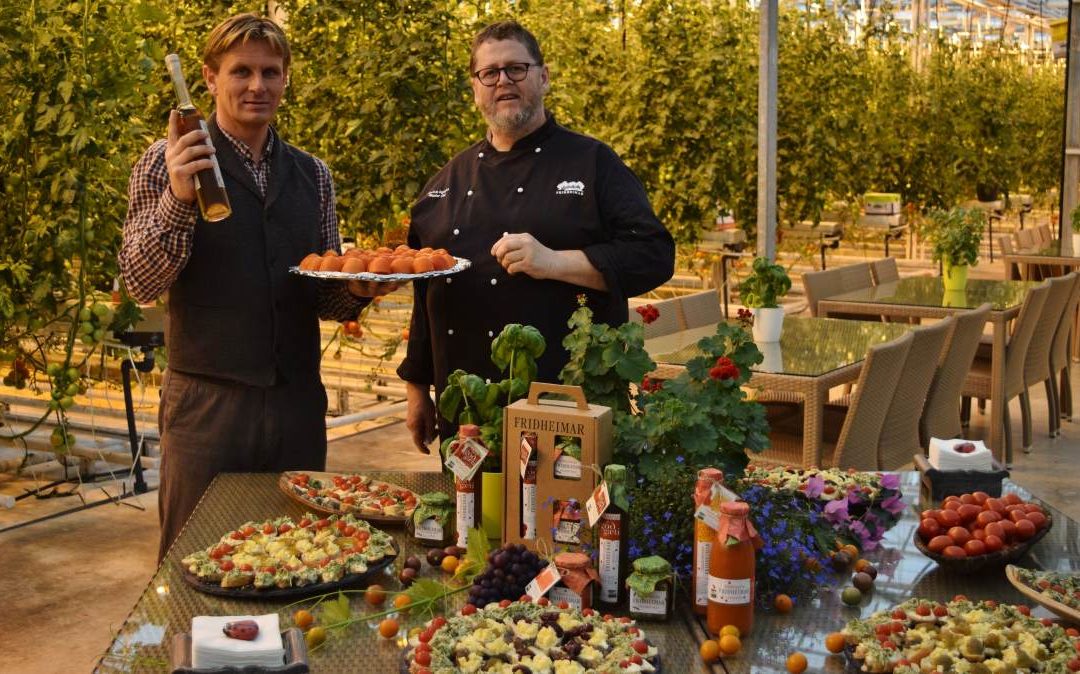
973	531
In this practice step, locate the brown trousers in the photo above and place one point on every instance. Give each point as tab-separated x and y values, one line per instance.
210	426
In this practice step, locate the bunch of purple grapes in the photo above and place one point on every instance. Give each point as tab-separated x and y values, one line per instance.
509	569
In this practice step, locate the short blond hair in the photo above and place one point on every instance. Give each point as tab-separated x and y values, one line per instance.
241	29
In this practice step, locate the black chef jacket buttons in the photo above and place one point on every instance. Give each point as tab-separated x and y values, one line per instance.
481	155
494	281
469	193
520	190
538	150
449	280
456	231
491	333
450	331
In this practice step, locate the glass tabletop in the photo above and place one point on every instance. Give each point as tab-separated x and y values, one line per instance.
167	605
928	291
903	573
1052	249
808	347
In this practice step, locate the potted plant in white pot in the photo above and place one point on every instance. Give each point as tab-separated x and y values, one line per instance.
760	292
1075	220
955	235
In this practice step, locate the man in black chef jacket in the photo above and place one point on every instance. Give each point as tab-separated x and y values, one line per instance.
544	214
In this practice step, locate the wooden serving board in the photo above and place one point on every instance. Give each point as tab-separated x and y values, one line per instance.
286	486
1057	608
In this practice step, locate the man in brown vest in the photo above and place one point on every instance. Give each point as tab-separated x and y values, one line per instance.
242	391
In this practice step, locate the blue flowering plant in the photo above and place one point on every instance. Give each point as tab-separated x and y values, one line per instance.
798	539
861	506
662	517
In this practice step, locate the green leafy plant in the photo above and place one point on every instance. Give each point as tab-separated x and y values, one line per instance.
765	285
468	399
955	235
605	360
1075	219
700	418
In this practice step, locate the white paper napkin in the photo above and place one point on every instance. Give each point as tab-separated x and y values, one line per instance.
943	455
211	648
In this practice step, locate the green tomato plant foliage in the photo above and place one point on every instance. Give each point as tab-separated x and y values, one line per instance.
380	91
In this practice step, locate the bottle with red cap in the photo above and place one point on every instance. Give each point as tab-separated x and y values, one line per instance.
467	492
731	570
705	494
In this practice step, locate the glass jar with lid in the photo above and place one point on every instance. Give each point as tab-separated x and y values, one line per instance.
432	523
578	580
652	591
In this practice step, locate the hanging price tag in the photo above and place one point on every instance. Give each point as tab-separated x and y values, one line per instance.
528	441
544	581
597	503
465	458
706	514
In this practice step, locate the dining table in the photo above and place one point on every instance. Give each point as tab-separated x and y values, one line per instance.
813	356
1049	254
145	641
922	297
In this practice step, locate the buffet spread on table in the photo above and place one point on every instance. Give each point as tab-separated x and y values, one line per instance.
568	536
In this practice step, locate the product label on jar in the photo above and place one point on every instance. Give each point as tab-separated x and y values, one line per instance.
701	574
654	603
528	507
732	591
429	530
706	514
466	504
567	468
610	524
558	594
544	581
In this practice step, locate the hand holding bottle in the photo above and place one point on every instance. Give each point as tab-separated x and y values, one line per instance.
185	155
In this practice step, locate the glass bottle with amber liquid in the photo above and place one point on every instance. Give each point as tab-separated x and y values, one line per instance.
209	183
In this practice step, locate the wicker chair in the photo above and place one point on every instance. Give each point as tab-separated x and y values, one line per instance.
899	439
1037	359
856	446
1061	397
941	415
884	270
978	382
1005	243
701	309
1027	238
819	285
855	276
669	321
1043	234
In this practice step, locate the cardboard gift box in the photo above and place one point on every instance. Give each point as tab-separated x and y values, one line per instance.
536	426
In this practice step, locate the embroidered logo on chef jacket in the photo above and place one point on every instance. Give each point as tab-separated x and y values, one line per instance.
575	187
439	194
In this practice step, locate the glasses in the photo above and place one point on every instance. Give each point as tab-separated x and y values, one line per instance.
515	72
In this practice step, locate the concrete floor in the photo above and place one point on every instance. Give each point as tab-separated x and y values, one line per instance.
67	583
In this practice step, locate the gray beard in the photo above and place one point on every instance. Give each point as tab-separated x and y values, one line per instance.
511	123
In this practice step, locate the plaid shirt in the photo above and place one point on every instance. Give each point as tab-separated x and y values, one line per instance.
159	229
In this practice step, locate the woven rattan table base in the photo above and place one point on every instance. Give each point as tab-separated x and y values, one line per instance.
168	604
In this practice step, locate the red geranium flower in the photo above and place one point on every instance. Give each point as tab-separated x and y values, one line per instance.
649	385
648	313
725	369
